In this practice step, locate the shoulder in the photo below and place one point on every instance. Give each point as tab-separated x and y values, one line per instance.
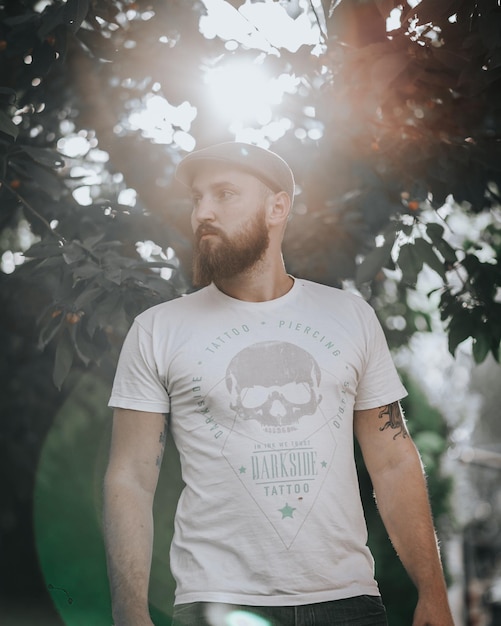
333	296
172	309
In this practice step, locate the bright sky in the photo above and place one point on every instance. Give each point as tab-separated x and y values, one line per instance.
265	25
240	93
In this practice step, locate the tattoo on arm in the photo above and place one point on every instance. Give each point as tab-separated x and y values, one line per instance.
395	420
161	440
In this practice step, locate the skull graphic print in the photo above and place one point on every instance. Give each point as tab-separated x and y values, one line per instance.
280	445
275	383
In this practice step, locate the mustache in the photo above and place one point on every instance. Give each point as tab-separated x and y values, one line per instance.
207	229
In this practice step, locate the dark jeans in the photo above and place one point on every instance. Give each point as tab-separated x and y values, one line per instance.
357	611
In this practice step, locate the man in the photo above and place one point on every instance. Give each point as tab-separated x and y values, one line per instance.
266	379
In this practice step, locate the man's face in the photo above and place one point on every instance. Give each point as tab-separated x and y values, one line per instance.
229	222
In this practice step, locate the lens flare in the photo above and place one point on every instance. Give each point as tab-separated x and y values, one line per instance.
244	93
228	615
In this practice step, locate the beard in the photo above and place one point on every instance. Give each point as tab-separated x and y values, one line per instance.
218	258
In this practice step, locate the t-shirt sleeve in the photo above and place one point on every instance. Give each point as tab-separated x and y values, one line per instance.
137	384
380	383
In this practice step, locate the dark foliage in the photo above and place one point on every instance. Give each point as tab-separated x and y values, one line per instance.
408	119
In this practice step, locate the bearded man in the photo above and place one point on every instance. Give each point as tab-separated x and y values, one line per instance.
266	380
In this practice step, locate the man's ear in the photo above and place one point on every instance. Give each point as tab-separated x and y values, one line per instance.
279	208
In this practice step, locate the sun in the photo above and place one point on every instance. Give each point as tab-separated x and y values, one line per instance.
243	93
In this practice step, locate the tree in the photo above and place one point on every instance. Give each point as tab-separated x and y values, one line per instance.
404	120
390	135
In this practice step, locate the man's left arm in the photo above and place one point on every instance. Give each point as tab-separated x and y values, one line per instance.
397	475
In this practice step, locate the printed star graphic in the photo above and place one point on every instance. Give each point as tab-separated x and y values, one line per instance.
323	464
287	511
242	470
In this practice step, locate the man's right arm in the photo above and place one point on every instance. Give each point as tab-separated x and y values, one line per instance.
137	446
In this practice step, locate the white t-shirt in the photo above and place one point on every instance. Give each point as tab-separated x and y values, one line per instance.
261	397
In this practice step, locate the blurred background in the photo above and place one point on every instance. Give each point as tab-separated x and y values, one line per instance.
389	113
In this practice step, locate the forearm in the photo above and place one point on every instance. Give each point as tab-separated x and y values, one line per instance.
128	530
403	503
395	468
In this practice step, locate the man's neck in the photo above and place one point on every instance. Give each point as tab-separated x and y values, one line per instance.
256	286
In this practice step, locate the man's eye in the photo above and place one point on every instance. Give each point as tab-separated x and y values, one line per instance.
226	194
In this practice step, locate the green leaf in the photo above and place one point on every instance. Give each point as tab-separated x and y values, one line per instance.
50	20
75	13
73	252
44	249
44	156
447	251
373	263
87	296
104	312
426	252
90	242
114	275
50	330
481	345
7	126
460	328
44	56
86	349
410	263
63	359
159	285
22	19
86	271
471	263
435	232
45	179
406	229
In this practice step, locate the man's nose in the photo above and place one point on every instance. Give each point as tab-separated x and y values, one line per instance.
203	210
